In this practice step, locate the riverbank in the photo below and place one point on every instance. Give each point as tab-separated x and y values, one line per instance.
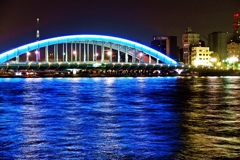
67	75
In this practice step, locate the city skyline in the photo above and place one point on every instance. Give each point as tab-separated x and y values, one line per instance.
133	20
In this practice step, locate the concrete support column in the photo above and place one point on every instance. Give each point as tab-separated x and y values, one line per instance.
66	53
17	59
93	51
36	53
150	59
96	52
157	61
84	52
88	51
134	55
118	56
126	55
111	55
56	53
79	57
75	49
63	53
102	52
46	53
27	56
71	51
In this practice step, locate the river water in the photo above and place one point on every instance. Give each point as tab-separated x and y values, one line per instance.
120	118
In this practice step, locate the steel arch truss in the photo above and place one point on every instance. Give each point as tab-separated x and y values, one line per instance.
121	45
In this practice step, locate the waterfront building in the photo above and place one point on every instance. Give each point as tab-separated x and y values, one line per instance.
233	48
189	39
218	41
166	45
201	56
233	51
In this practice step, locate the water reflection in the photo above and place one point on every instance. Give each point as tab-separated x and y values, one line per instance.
211	125
120	118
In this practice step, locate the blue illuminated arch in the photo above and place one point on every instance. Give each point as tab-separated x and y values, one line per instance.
4	57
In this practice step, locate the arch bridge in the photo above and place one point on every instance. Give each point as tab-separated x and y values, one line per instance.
84	51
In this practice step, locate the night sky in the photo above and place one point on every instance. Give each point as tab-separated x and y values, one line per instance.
136	20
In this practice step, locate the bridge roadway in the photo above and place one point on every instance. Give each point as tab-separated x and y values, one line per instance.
91	68
88	65
66	69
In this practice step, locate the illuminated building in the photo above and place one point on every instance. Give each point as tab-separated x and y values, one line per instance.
201	56
189	40
166	45
233	48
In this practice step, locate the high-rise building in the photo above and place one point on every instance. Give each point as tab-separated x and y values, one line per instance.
166	45
189	40
217	42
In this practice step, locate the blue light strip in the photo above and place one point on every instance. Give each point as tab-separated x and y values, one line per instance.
4	57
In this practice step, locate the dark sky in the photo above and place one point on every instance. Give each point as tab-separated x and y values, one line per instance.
136	20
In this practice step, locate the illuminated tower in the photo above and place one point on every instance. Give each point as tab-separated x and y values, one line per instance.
236	23
37	38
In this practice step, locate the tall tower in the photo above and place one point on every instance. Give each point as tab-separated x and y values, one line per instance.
236	23
38	33
37	38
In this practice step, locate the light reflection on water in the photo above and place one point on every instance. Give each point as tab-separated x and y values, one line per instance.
120	118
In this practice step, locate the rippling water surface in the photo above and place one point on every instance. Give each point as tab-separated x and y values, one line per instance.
120	118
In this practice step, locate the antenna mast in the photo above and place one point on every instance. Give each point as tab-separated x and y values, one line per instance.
37	38
38	33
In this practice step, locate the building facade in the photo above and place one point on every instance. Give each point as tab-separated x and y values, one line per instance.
166	45
218	41
201	56
233	50
189	40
